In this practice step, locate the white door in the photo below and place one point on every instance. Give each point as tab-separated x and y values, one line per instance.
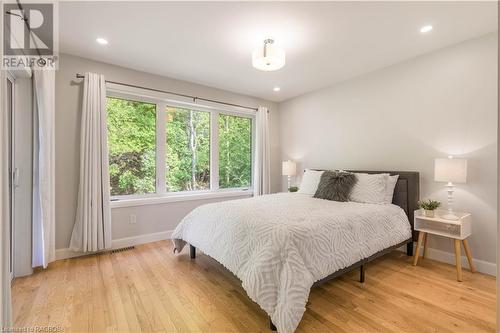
9	104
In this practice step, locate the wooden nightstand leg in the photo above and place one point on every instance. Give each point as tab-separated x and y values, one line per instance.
469	255
425	246
417	251
458	259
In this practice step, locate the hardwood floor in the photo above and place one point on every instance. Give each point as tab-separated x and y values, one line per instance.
148	289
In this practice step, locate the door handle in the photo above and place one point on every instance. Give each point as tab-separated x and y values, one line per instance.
15	177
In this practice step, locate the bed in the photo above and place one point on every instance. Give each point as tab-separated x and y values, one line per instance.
281	245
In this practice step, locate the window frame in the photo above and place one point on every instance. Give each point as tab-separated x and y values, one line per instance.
161	195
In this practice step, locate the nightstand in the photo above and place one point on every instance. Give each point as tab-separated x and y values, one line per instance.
457	230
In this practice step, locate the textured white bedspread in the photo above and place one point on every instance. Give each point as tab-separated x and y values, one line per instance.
278	245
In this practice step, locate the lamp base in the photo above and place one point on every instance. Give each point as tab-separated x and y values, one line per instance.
450	216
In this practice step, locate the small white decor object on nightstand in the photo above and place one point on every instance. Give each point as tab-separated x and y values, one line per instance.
458	230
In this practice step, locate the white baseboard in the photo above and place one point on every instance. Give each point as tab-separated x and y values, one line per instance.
119	243
141	239
482	266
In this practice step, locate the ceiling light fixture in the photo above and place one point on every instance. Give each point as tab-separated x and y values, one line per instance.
102	41
426	28
276	89
268	57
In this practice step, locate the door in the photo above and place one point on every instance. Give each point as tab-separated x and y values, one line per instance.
9	104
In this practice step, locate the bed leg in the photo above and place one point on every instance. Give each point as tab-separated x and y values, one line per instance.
192	251
409	249
362	274
271	325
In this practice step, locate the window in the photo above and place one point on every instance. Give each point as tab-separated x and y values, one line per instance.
235	151
188	150
132	148
157	147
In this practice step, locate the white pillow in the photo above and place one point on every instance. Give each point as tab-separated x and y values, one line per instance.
310	181
389	189
370	188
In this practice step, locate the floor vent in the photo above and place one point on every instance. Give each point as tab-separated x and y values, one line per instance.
123	249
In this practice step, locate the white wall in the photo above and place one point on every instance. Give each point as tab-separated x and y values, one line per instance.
150	218
401	118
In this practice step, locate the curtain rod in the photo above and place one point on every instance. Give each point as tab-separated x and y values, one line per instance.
194	98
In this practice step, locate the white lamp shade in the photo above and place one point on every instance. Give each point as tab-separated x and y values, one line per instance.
452	170
268	58
288	168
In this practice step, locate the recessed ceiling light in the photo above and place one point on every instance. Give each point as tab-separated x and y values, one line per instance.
276	89
102	41
426	28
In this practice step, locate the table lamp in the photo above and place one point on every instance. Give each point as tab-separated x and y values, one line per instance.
450	170
288	169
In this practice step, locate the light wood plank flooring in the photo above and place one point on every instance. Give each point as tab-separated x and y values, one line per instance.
148	289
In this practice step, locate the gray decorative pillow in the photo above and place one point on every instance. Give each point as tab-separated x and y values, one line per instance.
335	185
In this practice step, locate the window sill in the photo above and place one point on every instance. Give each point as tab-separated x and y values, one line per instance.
178	197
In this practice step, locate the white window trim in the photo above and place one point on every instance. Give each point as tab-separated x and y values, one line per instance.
137	200
214	150
161	195
161	157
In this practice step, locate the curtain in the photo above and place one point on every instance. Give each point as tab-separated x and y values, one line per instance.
5	303
44	168
262	174
92	229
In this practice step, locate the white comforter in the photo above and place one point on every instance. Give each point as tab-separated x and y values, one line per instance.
280	244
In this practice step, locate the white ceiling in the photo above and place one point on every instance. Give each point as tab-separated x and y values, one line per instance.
211	42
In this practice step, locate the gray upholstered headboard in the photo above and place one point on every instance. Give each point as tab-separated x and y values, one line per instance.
406	193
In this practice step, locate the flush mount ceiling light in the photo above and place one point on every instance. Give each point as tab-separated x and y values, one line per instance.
268	57
276	89
426	28
102	41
